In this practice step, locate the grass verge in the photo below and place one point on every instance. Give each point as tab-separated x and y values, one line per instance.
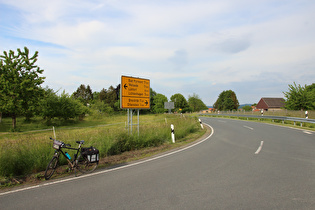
24	156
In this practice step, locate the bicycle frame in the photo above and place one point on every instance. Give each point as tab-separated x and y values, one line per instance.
73	162
67	146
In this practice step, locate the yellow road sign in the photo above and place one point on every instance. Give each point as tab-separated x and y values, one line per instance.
135	93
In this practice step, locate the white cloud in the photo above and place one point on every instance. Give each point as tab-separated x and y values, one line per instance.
188	46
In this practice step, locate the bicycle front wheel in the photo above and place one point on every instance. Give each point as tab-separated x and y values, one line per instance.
84	165
51	167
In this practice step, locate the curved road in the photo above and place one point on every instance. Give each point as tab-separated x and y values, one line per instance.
243	165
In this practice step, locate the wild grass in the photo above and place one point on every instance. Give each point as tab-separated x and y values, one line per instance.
22	153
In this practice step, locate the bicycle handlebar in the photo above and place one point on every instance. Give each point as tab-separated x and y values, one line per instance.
62	143
67	145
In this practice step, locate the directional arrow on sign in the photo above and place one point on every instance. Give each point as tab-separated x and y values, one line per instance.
135	93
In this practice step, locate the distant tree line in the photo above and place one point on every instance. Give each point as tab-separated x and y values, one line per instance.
21	94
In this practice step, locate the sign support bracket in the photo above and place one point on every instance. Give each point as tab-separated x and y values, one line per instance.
130	122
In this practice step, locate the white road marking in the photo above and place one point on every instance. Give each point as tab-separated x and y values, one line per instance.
259	148
248	127
308	132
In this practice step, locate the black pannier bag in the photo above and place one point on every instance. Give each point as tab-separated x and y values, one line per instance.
91	153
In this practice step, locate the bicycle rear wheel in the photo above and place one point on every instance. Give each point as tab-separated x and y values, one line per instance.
52	165
84	165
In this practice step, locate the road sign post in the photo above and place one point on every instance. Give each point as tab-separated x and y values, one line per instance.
134	94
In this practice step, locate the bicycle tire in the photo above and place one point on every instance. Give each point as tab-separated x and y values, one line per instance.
84	165
51	167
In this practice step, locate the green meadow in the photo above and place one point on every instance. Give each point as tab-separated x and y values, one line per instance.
29	151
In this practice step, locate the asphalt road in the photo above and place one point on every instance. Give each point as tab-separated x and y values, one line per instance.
243	165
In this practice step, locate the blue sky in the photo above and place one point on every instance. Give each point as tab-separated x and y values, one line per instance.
255	48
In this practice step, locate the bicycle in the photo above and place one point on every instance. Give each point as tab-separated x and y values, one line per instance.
85	159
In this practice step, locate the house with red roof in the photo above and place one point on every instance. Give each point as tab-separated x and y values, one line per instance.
271	104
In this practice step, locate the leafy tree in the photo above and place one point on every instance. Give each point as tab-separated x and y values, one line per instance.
100	107
62	107
195	103
310	95
84	94
247	108
300	98
180	103
152	95
158	101
110	96
227	100
49	104
19	83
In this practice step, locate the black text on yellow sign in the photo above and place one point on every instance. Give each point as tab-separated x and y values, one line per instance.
135	93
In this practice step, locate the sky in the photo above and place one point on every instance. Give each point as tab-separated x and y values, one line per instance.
254	48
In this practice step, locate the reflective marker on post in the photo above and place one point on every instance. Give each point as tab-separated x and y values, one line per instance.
201	124
173	134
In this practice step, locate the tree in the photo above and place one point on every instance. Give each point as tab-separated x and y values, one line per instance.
195	103
310	95
84	94
227	100
158	101
62	107
49	104
300	98
19	83
180	103
110	96
100	107
152	95
247	108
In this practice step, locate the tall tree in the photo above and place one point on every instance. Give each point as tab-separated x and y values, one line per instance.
158	101
310	95
299	97
111	96
20	82
84	94
102	94
50	105
195	103
227	100
180	103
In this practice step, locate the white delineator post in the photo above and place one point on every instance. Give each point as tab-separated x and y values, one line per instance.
173	133
201	124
